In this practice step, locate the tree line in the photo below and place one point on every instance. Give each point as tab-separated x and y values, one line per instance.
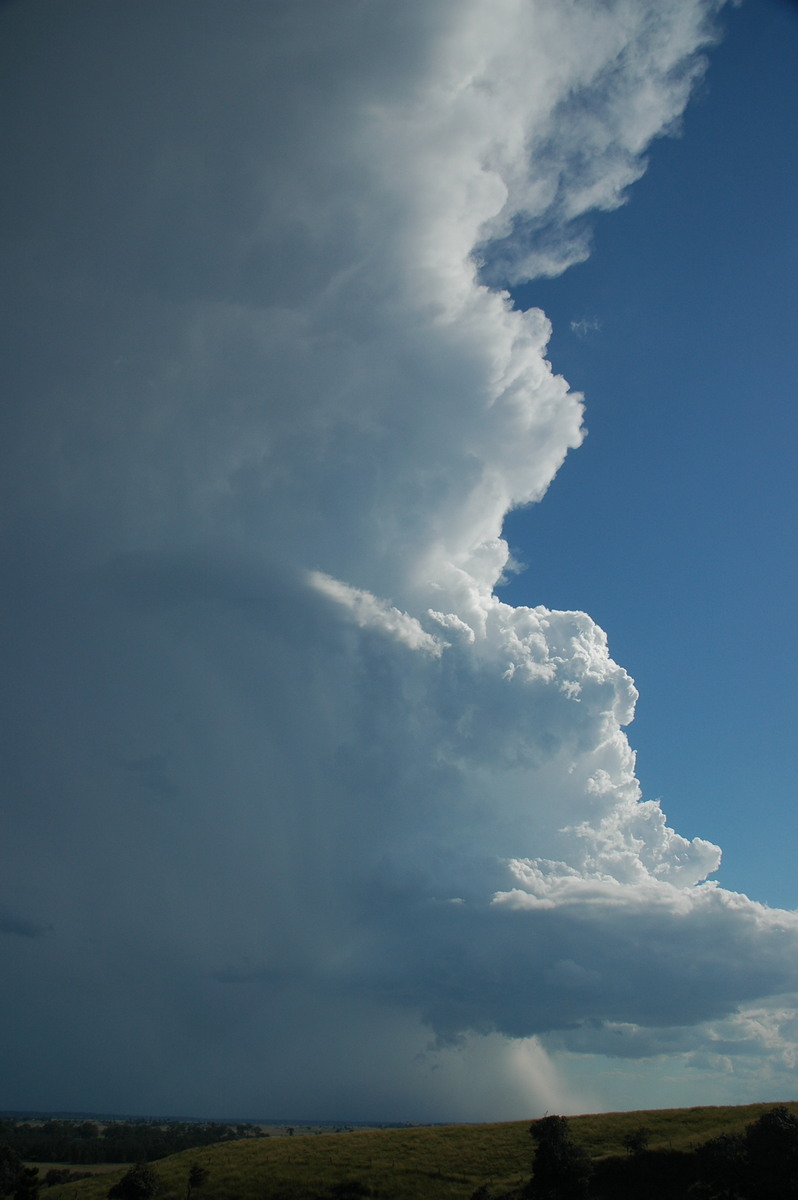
139	1183
81	1142
759	1164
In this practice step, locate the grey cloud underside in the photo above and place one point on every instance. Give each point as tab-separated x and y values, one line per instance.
225	854
277	757
11	923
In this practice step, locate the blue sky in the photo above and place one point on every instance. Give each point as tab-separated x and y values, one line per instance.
673	525
305	814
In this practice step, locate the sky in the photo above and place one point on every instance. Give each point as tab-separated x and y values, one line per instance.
701	512
397	511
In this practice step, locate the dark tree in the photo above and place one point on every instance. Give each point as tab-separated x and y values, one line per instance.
140	1183
771	1153
636	1140
11	1171
562	1169
58	1175
721	1167
196	1177
28	1186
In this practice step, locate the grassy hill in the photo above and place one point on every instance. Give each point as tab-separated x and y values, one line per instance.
426	1163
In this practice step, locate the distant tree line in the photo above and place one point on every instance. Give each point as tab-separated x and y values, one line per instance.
759	1164
141	1182
81	1142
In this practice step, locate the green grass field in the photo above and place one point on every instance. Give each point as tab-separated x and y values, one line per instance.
426	1163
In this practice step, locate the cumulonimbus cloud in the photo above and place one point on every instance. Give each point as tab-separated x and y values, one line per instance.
279	755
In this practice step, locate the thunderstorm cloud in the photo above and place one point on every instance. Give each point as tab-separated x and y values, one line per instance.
300	817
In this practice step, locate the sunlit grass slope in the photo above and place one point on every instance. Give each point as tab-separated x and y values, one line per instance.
428	1163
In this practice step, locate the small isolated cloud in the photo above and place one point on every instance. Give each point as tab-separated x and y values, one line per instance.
585	326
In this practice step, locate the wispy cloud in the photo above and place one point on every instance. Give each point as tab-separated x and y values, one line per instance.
585	326
371	613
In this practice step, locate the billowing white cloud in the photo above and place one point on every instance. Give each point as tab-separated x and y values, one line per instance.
290	790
